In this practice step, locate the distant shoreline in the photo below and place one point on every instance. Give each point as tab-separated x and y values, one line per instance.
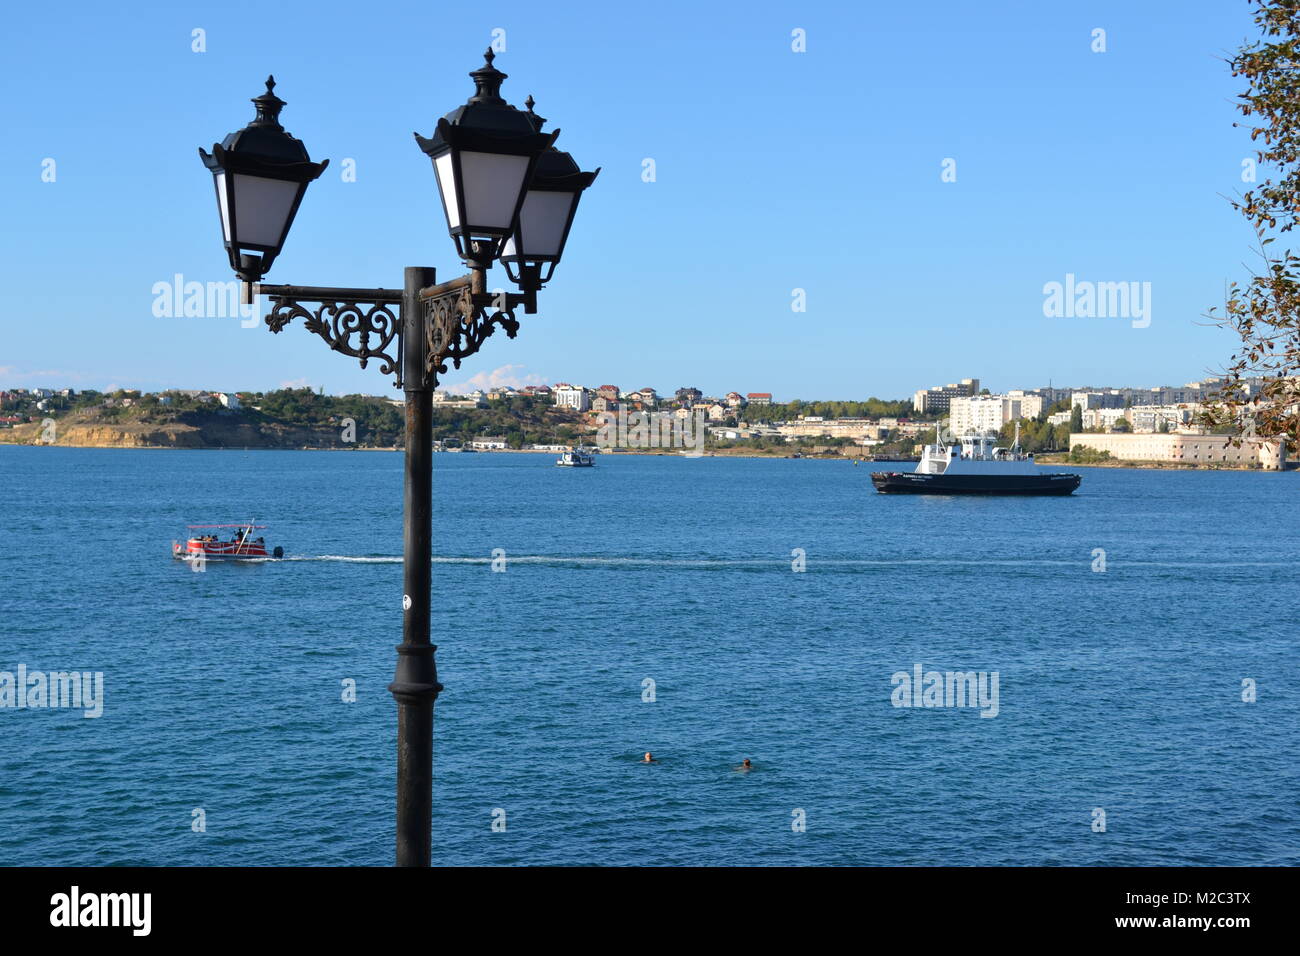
655	452
665	452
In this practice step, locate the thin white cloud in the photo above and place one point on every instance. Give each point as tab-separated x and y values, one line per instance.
510	375
41	377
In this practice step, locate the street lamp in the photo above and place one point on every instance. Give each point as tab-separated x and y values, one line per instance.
484	153
490	160
546	215
261	174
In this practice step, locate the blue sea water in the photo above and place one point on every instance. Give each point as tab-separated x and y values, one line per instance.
1118	690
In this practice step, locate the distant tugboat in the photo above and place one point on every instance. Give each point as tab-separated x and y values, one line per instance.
975	468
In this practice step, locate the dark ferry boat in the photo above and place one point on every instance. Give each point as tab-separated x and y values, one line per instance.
975	467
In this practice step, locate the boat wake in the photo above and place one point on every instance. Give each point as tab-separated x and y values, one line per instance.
645	562
348	558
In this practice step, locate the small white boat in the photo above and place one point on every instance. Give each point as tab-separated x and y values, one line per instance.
576	459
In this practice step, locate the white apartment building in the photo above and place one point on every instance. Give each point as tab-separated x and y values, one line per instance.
572	396
1147	418
980	414
1111	398
444	400
1104	417
1029	404
1143	418
939	399
976	414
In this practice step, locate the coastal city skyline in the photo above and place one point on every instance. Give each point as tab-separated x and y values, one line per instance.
508	385
1176	425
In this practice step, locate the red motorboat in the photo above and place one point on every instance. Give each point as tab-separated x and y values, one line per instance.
210	543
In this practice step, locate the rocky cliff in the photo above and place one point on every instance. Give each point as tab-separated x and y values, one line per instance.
209	432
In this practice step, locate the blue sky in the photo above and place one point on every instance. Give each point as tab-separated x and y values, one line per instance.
775	171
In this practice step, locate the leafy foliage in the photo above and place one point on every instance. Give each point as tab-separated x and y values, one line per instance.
1035	436
1265	312
376	422
871	408
522	420
1086	455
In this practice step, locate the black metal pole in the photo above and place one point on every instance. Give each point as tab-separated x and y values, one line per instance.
415	685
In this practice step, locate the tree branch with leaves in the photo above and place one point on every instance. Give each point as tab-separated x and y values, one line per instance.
1265	311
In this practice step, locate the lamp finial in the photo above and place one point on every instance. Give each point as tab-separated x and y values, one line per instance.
537	121
268	107
487	81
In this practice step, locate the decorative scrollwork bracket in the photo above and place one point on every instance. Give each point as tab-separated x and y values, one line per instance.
456	326
363	323
456	317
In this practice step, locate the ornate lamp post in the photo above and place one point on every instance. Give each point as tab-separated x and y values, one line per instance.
491	160
261	174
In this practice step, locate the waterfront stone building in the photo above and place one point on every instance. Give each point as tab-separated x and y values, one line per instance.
1184	449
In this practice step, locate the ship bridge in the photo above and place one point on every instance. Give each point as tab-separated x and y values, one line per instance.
975	455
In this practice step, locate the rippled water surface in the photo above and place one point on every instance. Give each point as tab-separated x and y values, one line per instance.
1118	690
